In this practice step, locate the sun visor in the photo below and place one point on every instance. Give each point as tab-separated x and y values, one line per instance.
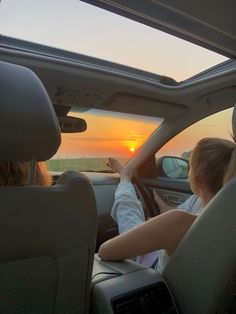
219	97
28	124
135	104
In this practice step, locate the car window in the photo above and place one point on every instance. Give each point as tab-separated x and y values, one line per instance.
216	125
79	27
108	134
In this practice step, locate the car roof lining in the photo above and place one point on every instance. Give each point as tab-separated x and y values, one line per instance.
26	47
72	83
122	102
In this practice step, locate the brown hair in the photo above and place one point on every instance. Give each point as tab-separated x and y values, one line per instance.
215	160
16	173
42	175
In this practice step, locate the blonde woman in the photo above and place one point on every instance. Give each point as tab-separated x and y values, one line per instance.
212	164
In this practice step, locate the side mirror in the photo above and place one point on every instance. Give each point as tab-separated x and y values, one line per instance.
172	167
72	124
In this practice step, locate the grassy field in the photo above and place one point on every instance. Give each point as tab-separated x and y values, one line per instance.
84	164
79	164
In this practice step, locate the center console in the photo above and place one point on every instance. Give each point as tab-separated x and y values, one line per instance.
127	288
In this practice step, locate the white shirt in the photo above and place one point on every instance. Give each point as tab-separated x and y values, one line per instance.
127	211
193	205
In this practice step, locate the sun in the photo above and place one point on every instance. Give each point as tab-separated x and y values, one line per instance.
132	149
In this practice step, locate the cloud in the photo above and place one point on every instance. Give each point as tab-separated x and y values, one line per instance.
104	139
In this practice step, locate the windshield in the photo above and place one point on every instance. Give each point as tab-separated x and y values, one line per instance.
79	27
108	134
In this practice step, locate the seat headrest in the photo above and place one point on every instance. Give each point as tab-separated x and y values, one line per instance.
234	122
28	124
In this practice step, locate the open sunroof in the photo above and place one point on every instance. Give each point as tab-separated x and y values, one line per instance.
79	27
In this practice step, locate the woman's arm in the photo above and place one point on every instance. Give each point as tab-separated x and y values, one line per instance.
127	210
162	232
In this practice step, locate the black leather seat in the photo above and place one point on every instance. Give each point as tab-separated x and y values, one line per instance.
47	234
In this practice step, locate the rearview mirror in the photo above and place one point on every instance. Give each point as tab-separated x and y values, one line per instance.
172	167
72	124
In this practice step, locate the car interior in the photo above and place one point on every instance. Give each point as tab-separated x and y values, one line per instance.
50	235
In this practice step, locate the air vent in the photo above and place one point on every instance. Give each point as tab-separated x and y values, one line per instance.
151	299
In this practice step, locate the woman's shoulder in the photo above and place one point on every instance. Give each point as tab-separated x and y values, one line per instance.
182	214
178	217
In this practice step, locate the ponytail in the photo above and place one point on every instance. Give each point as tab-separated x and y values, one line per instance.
214	159
231	168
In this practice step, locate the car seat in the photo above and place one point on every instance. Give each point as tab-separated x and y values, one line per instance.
47	234
201	273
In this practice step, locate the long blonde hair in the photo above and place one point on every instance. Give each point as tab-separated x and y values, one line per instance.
16	173
215	160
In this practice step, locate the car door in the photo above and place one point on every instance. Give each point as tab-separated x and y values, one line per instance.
174	191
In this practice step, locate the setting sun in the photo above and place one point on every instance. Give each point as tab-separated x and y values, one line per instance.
132	149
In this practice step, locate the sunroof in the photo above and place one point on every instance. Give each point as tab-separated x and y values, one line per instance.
79	27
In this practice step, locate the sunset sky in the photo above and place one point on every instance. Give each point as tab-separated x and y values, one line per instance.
79	27
217	125
108	136
116	137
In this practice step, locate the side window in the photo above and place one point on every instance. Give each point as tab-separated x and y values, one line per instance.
181	146
216	125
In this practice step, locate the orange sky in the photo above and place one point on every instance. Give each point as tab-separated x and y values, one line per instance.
108	136
217	125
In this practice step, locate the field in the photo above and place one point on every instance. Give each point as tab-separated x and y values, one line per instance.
80	164
87	164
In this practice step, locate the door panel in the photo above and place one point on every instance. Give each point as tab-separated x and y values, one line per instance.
180	185
173	191
172	198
